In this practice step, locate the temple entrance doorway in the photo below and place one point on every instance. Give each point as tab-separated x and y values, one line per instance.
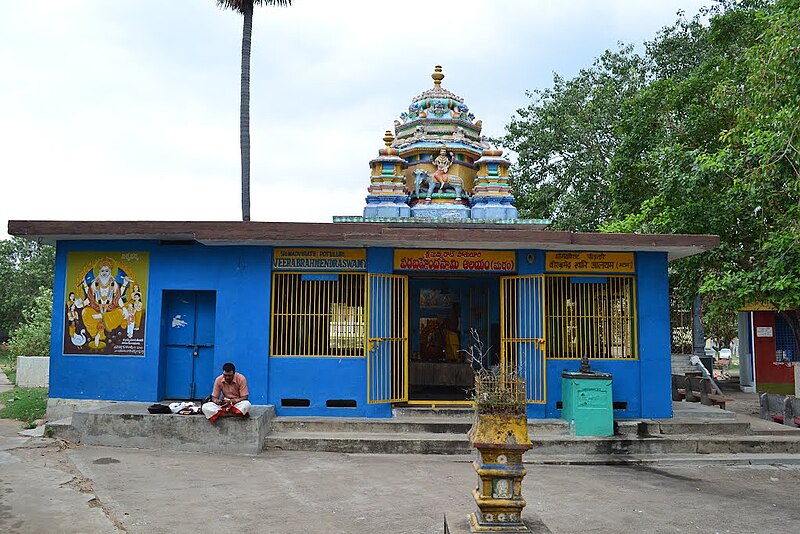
448	315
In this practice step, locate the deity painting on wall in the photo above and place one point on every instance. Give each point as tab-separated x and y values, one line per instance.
106	299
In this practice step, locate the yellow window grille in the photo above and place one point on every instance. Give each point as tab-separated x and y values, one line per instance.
318	314
591	315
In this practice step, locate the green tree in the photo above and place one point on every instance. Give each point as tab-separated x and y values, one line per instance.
566	138
703	142
32	337
25	266
245	7
761	153
670	129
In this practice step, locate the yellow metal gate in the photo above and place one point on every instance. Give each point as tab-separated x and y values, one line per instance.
522	331
387	338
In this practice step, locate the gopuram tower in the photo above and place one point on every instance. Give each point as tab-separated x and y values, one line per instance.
437	165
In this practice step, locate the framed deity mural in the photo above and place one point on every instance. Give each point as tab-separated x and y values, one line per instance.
106	303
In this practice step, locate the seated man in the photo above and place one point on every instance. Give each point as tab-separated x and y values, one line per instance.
229	396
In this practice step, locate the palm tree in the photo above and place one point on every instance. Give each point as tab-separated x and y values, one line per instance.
245	7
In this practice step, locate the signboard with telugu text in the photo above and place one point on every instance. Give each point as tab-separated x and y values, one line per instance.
455	260
763	331
319	259
590	262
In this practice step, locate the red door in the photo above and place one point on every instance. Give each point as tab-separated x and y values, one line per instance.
771	375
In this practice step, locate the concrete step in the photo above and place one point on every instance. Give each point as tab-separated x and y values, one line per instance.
62	428
371	443
458	425
663	460
427	411
130	425
656	427
703	428
396	426
695	411
665	444
543	445
401	425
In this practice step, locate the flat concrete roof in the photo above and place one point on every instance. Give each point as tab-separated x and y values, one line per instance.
367	234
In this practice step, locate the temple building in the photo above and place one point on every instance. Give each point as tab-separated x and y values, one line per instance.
400	305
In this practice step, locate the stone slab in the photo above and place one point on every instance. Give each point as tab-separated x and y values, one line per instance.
37	432
33	371
38	499
61	408
695	410
130	425
455	524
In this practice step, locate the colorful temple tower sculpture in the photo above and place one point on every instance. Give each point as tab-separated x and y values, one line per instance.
387	190
438	166
491	196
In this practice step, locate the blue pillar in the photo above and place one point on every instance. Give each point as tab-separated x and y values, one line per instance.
652	298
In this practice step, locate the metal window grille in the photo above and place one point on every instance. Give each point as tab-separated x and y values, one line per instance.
591	315
318	314
680	322
785	346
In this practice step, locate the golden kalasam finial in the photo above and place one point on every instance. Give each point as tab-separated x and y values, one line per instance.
437	75
388	138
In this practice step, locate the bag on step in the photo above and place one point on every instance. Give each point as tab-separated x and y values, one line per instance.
159	408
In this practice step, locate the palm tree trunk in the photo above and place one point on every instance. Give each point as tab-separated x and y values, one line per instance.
244	109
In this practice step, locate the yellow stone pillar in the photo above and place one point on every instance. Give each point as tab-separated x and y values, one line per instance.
501	440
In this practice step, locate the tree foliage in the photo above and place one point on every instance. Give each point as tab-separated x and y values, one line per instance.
25	266
32	337
566	138
761	155
700	137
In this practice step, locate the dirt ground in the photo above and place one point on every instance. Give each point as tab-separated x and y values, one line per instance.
48	486
744	403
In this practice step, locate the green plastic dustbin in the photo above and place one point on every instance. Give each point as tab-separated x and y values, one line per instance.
586	400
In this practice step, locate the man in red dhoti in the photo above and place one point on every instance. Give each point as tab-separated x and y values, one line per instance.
229	396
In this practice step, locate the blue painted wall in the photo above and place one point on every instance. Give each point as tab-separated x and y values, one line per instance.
239	275
319	380
644	384
241	278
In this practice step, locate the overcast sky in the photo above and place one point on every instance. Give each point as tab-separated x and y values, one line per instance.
114	110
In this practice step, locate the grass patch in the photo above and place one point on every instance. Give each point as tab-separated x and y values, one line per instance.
24	404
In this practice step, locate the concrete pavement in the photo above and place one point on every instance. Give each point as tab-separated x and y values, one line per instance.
5	383
40	491
45	487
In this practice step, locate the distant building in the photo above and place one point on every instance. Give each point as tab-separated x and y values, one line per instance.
767	351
